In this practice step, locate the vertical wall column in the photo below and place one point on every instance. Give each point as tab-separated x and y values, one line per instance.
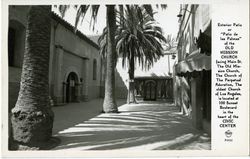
85	82
59	92
182	97
78	91
197	101
82	79
51	62
177	96
102	77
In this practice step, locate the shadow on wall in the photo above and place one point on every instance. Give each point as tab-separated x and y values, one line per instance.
121	90
186	94
182	95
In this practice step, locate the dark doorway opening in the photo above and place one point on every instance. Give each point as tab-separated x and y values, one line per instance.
11	46
71	91
150	91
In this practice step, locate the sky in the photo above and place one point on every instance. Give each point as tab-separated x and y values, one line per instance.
167	19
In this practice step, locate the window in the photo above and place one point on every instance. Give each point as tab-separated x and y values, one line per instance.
94	69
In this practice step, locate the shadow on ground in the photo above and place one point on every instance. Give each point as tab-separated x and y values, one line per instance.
73	113
143	126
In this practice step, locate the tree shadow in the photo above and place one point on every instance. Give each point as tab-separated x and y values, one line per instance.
73	113
149	126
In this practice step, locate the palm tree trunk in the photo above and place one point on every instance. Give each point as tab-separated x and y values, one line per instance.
109	104
32	117
131	87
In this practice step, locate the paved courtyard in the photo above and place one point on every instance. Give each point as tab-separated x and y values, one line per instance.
143	126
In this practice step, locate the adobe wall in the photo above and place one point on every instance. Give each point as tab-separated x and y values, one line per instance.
74	55
68	53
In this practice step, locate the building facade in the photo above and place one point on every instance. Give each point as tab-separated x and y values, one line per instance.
154	87
192	71
76	70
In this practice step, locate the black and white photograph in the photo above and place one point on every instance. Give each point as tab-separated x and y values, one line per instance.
131	84
127	77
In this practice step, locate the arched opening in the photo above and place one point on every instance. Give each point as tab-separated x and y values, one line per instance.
150	90
71	88
16	43
11	46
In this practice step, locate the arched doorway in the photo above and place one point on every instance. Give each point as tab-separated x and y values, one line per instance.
16	43
150	90
11	45
71	88
16	47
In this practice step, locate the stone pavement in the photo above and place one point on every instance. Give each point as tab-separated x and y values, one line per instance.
143	126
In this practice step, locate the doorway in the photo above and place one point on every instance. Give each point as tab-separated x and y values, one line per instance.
11	46
71	89
150	91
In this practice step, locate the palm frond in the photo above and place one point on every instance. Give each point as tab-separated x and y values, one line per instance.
149	9
94	12
163	6
138	34
62	9
80	14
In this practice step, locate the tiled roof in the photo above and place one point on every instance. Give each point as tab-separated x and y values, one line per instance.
94	38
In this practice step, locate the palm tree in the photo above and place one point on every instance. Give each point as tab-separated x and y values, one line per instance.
138	39
109	104
32	117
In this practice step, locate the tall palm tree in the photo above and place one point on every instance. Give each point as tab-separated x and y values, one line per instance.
138	39
109	104
32	117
